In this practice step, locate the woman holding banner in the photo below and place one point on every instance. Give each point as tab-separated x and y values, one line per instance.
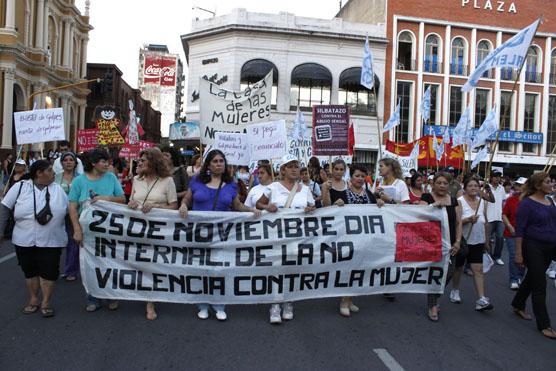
288	193
153	187
440	197
265	178
214	189
391	188
334	190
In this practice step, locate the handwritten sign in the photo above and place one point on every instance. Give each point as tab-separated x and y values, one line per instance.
37	126
87	140
418	242
131	152
267	140
234	146
406	162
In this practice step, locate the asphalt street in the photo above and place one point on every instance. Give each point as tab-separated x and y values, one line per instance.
382	336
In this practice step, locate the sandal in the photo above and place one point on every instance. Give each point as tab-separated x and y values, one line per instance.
113	305
433	316
550	333
151	313
47	312
522	314
30	309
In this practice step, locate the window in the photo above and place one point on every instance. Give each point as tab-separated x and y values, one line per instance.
530	119
311	84
481	106
404	96
255	70
553	68
432	50
51	48
457	66
352	93
405	52
551	130
531	74
506	105
456	104
434	114
483	50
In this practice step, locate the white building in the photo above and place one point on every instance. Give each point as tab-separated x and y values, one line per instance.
315	61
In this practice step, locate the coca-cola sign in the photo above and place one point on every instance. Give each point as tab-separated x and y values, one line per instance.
153	67
168	72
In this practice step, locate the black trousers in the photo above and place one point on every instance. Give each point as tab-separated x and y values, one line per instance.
537	257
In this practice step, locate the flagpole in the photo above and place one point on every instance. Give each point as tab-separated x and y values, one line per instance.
550	160
379	133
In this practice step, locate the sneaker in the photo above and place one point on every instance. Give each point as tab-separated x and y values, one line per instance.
92	307
275	314
499	261
454	297
551	274
203	314
514	286
287	312
483	304
221	315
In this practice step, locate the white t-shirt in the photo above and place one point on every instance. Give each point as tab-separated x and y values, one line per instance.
398	190
477	235
494	210
27	231
278	195
254	194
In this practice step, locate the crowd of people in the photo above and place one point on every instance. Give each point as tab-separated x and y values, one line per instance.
484	215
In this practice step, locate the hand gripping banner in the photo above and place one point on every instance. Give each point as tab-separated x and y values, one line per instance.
235	258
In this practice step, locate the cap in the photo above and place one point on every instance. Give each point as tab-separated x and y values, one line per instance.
20	162
286	159
407	175
431	177
496	173
521	180
450	169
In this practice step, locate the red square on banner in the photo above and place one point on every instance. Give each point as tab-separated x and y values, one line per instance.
418	242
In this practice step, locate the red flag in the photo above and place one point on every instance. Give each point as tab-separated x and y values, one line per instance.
454	156
351	139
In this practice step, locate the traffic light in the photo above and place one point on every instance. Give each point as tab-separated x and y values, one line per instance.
108	82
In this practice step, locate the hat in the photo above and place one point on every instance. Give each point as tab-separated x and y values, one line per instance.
20	162
450	169
521	180
431	177
407	175
496	173
286	159
65	154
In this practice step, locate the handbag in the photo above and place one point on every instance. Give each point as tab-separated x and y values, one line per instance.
45	214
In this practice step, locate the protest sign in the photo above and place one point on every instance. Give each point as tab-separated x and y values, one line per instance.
235	258
131	152
87	140
406	162
41	125
267	140
231	111
330	130
234	146
184	131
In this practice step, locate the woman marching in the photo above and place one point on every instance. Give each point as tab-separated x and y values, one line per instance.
391	188
213	189
535	248
440	197
153	187
416	189
334	190
286	193
265	178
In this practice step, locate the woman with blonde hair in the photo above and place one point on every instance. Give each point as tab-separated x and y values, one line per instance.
391	188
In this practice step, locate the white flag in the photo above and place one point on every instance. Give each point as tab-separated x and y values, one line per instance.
394	120
367	74
462	132
437	147
425	106
481	155
446	135
299	129
511	54
489	127
415	150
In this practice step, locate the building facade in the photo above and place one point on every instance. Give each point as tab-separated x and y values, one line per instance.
43	45
119	97
438	44
161	81
315	61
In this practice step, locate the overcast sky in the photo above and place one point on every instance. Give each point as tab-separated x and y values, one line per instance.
122	26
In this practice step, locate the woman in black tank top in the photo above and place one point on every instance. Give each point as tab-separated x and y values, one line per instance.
334	190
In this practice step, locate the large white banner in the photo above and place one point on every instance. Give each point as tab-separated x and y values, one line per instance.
406	162
231	111
235	258
41	125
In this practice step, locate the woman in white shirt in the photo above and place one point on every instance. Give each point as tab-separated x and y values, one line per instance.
265	178
391	188
39	207
286	193
474	231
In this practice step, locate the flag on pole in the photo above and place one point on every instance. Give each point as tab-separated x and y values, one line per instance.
481	155
462	132
511	54
299	129
489	127
367	74
446	136
425	106
415	150
437	147
394	120
351	138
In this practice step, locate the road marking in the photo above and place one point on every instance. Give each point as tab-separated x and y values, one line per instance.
388	360
7	257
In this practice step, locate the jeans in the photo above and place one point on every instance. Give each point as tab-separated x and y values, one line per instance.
497	230
516	273
537	257
216	307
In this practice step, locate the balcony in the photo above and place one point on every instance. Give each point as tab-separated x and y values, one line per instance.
432	66
553	79
488	74
458	69
406	65
508	74
533	77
